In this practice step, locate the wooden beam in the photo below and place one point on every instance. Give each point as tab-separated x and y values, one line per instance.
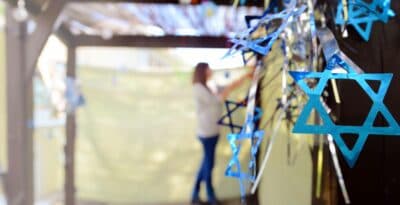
31	6
154	42
69	188
19	178
45	26
65	35
259	3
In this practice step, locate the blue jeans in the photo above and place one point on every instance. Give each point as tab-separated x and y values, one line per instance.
205	170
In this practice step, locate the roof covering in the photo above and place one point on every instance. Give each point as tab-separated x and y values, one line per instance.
108	19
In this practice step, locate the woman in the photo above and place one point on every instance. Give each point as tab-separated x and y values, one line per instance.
208	110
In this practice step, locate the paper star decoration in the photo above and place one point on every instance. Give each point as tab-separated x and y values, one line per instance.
227	119
234	140
362	15
328	126
262	45
73	95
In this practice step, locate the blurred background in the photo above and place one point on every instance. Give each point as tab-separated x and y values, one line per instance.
133	129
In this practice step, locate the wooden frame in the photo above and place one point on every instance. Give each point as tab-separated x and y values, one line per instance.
22	54
153	42
218	2
70	132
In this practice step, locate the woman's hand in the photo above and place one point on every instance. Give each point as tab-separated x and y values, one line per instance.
235	84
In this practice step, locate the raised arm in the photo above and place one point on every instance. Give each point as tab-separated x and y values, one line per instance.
235	84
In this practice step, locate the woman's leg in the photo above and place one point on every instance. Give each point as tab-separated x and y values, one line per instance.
200	174
210	147
199	179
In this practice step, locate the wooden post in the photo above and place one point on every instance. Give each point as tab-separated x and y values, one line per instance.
19	178
22	52
71	136
45	26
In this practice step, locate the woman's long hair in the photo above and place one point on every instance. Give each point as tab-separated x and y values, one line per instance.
200	74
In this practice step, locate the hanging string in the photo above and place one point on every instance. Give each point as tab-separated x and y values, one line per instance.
338	170
285	102
268	152
270	145
345	10
236	3
266	4
320	162
345	17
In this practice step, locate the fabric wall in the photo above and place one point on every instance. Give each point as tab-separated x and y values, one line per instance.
288	177
136	140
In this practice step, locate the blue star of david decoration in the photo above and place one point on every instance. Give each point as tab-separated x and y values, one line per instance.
362	15
263	45
328	127
231	107
256	137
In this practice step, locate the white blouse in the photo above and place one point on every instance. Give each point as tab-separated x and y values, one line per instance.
208	110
